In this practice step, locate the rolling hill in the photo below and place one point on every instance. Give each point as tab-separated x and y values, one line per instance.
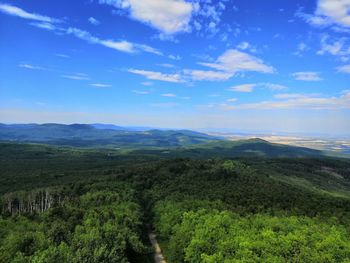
84	135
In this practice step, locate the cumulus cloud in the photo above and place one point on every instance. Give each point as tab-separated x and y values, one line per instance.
329	12
233	61
227	65
336	10
173	16
307	76
168	16
154	75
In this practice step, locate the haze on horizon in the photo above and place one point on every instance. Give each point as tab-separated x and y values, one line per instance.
276	66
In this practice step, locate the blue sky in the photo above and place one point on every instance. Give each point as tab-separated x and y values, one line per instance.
242	65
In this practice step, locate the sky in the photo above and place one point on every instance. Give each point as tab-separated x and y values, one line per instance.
240	65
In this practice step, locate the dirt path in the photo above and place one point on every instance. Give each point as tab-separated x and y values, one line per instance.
158	256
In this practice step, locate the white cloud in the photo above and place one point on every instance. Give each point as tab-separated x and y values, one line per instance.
336	10
16	11
167	65
123	45
100	85
329	12
62	55
147	83
173	16
154	75
233	61
168	16
93	21
227	65
307	76
243	45
344	69
207	75
273	86
336	47
173	57
208	17
302	47
140	92
243	88
148	49
77	76
251	87
298	101
246	46
289	96
168	95
231	100
29	66
45	25
82	34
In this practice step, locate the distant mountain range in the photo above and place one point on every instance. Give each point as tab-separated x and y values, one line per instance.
154	143
92	135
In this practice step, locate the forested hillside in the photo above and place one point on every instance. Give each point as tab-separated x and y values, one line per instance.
86	205
85	135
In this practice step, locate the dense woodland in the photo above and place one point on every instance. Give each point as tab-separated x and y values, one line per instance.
89	205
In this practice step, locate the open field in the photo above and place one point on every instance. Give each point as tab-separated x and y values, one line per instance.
341	145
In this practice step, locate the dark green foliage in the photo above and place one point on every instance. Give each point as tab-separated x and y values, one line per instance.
97	205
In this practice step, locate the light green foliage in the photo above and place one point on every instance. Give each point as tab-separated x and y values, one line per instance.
213	236
98	226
